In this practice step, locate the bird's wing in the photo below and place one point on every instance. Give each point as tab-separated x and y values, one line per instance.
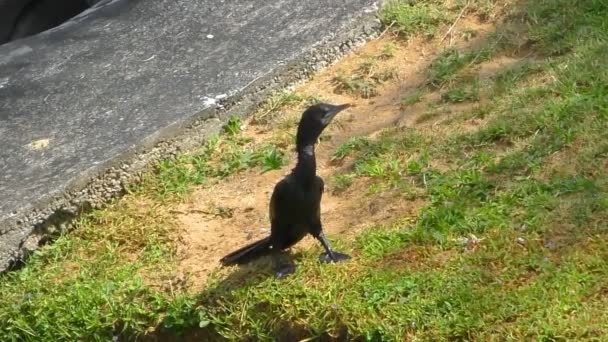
279	197
321	185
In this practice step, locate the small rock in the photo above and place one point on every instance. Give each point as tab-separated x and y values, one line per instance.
520	240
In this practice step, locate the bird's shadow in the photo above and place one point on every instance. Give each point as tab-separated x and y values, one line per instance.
223	285
248	274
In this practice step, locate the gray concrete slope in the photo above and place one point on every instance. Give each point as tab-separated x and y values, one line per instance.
76	97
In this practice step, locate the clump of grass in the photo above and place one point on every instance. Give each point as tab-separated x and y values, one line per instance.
506	80
384	75
353	144
448	66
411	99
445	67
269	109
233	126
220	157
355	85
462	92
268	157
411	17
483	9
375	159
388	51
365	79
342	182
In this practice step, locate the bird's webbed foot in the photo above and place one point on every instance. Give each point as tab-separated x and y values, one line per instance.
330	255
337	257
283	265
282	271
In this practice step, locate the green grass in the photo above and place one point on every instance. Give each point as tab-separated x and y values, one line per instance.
415	17
446	68
81	286
353	144
509	243
272	106
220	157
463	92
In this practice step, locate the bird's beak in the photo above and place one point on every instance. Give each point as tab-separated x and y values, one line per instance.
333	110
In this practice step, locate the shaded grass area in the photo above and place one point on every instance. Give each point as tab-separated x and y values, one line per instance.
510	243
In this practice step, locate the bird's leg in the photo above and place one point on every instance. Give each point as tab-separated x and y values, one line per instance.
282	269
330	255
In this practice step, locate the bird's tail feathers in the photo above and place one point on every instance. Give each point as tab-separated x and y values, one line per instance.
245	254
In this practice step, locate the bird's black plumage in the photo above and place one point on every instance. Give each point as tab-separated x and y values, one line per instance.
295	205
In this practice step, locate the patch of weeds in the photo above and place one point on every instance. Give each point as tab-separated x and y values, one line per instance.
482	8
388	51
312	100
347	148
364	80
384	75
342	182
355	85
462	93
446	68
376	188
478	112
377	242
373	167
276	102
233	126
268	157
411	99
218	158
365	69
182	314
429	115
412	17
556	29
507	80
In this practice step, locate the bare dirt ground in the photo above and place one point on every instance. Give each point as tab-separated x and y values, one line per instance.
242	199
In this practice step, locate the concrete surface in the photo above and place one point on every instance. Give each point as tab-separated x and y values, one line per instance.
82	103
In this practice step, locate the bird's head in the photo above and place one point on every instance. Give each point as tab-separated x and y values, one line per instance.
314	120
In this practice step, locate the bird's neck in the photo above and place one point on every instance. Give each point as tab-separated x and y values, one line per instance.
306	168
